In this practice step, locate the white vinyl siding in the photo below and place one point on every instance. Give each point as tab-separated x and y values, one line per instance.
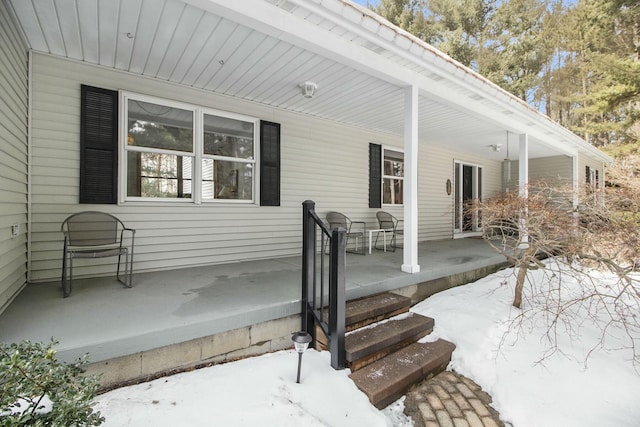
435	206
435	209
556	170
321	160
553	170
13	158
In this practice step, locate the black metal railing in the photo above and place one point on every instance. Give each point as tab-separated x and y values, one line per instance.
314	278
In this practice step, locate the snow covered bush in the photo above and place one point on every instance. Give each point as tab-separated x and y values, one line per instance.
38	390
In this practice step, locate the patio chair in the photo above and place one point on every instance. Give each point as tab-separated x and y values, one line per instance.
390	223
336	219
93	234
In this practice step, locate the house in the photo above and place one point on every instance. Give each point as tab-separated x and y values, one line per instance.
204	124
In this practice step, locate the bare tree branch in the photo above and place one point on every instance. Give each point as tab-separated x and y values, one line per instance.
579	242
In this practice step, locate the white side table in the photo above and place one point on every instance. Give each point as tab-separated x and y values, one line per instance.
384	238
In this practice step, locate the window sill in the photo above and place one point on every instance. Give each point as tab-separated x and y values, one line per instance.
179	202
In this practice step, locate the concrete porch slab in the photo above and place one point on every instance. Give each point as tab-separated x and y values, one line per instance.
169	307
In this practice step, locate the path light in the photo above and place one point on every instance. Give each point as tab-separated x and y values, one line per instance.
301	341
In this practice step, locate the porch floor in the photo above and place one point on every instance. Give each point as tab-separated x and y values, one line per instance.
105	319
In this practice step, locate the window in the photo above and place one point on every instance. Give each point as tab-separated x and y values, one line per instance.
160	150
228	159
178	151
592	179
386	176
134	147
393	177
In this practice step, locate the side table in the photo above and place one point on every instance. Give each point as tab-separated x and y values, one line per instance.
384	238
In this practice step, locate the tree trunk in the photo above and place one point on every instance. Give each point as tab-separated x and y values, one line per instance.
522	275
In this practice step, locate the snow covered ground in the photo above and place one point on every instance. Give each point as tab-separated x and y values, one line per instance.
560	390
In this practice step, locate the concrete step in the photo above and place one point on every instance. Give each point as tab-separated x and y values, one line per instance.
389	378
366	311
366	345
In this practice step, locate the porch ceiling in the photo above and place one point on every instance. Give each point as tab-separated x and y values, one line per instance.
219	47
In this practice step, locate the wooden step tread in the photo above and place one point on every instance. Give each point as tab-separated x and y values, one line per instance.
367	311
375	306
387	379
386	335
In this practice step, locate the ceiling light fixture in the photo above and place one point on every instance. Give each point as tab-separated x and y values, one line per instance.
308	89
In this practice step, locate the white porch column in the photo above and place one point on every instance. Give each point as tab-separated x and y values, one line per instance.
575	181
410	250
523	183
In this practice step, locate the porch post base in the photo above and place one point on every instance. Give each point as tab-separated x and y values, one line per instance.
409	268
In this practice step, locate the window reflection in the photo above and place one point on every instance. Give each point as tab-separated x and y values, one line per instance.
392	183
161	150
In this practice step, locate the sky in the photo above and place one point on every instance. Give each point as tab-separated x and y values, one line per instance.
364	2
530	386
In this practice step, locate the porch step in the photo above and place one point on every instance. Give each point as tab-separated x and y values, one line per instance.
387	379
366	345
367	311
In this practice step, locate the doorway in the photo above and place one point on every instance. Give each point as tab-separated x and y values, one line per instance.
467	190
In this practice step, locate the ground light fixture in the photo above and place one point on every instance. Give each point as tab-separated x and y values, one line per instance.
301	342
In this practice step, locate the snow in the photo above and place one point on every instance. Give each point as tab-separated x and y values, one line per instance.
260	391
530	386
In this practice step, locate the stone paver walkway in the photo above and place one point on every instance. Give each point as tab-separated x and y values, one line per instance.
450	400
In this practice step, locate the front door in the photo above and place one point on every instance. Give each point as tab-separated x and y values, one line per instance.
467	189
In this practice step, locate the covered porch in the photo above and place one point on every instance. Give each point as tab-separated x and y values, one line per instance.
175	306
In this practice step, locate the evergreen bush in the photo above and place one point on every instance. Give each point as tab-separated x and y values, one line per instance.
38	390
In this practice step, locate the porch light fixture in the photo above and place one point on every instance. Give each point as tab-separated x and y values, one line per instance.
308	89
496	147
301	342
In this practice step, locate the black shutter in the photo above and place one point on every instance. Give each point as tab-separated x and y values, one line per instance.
98	145
375	176
269	164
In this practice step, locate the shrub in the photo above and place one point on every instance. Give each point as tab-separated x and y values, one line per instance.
38	390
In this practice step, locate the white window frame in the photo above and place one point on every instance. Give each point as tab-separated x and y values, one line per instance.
197	154
392	177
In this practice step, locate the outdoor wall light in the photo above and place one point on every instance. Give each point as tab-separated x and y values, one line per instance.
496	147
301	342
308	89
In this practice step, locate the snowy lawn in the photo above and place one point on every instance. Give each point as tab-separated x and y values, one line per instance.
557	391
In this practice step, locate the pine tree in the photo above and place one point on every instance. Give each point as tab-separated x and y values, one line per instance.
517	46
579	63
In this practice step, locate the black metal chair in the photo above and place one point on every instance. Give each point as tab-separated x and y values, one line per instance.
390	224
93	234
336	219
